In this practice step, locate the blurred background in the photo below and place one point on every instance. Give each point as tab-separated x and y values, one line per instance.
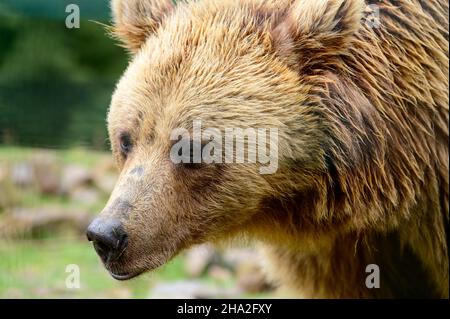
56	172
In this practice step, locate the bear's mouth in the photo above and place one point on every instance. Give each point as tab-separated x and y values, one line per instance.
119	273
124	276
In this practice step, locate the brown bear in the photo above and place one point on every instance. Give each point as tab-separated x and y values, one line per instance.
358	92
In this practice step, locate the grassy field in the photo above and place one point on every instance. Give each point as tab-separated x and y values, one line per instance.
36	267
79	156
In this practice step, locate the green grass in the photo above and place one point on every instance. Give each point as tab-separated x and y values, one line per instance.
37	269
79	156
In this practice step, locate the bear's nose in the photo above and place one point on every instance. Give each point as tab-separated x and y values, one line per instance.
109	238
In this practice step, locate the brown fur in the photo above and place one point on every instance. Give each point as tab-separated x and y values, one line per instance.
362	115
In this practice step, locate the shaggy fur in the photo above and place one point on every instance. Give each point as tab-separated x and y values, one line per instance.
362	114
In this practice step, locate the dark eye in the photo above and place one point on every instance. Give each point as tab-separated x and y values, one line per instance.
125	144
186	156
190	163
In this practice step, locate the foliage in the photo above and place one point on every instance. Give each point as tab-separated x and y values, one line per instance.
55	83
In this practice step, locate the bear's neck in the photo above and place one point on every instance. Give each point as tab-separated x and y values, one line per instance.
315	253
341	268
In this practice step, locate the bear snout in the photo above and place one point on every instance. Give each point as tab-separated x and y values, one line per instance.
108	237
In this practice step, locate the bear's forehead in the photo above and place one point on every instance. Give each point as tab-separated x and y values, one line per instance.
215	65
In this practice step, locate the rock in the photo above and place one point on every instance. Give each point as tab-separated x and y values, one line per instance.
46	172
13	293
3	172
250	277
32	222
220	273
105	183
22	175
73	177
235	256
105	165
190	290
8	194
105	175
86	195
198	259
249	274
119	293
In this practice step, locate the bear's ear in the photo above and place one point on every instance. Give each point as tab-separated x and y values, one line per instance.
135	20
318	27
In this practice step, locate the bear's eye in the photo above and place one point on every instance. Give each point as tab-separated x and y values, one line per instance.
189	155
190	161
193	160
125	144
